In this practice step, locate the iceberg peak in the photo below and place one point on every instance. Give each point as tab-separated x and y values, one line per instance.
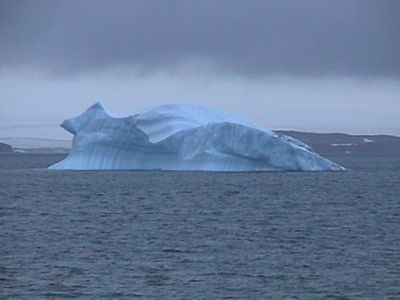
183	137
93	112
97	106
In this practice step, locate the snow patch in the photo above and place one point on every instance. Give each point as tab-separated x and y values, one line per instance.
366	140
343	145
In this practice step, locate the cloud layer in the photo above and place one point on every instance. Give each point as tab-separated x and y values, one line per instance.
249	38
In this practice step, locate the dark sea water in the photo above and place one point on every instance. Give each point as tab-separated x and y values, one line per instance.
199	235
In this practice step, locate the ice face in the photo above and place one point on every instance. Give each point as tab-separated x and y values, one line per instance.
183	137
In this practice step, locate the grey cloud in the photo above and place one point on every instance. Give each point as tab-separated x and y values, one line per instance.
249	38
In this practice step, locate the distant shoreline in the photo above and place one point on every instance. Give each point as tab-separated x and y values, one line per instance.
323	143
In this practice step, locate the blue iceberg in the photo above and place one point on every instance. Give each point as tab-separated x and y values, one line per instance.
183	137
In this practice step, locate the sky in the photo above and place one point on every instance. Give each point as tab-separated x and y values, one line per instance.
322	66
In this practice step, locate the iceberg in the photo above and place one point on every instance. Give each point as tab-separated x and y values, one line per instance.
183	137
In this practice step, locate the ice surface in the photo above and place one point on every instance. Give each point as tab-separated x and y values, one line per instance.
183	137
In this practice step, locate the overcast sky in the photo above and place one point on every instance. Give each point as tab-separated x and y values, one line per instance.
307	65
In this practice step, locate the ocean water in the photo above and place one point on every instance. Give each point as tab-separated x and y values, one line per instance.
199	235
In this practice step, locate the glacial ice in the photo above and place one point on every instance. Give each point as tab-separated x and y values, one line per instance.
182	137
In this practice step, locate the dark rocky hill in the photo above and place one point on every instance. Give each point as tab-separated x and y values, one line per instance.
340	143
5	148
